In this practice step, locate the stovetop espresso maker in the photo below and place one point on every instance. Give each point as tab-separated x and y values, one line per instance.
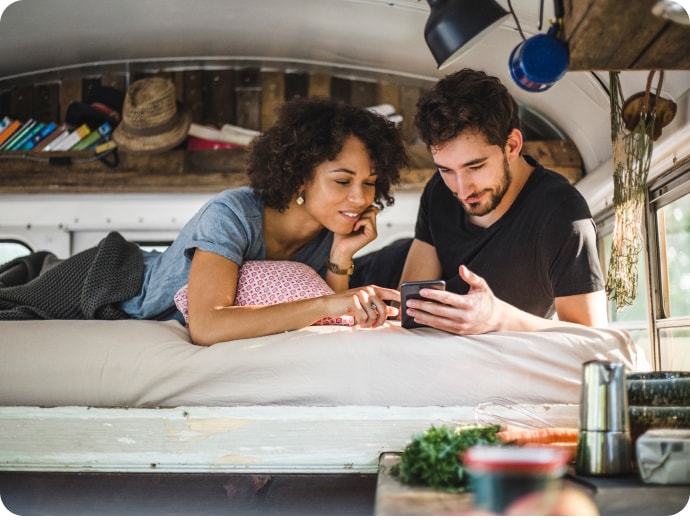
603	446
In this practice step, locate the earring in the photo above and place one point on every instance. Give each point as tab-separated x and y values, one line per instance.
300	200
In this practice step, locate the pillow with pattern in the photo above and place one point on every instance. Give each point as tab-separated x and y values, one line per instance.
267	282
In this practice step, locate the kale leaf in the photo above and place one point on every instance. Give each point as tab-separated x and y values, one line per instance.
434	458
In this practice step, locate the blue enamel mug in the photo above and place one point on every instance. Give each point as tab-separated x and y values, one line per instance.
538	62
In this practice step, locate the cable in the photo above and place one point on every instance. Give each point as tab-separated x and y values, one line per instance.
601	83
517	22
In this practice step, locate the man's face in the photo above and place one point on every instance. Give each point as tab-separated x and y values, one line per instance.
476	172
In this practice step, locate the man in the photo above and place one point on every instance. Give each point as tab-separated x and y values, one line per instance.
514	241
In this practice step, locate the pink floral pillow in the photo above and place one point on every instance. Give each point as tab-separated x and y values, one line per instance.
266	282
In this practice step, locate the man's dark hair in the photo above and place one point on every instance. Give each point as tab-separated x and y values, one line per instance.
310	131
466	100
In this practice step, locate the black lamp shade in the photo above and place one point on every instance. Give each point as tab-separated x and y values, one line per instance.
454	26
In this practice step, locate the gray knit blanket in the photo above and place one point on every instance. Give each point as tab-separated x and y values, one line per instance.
88	285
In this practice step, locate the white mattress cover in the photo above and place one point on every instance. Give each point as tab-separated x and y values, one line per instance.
148	363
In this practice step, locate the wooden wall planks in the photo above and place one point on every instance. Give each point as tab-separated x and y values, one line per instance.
246	97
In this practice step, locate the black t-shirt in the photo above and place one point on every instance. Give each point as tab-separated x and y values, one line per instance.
543	247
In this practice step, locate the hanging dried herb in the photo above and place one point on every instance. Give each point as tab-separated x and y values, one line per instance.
632	153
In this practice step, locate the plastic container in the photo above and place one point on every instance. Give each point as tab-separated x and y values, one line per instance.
499	475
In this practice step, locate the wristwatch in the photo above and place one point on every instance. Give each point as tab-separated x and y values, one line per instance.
335	269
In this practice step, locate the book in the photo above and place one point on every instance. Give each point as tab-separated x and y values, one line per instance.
105	136
9	131
93	138
5	122
73	138
60	133
237	134
85	141
196	143
39	136
227	134
21	131
105	146
28	136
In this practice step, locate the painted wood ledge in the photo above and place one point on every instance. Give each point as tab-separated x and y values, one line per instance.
257	439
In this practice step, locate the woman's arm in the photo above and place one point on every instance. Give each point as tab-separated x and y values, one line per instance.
213	318
345	246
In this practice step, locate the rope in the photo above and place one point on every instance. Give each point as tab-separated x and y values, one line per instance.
632	153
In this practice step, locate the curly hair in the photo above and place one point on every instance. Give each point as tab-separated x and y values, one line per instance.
466	100
310	131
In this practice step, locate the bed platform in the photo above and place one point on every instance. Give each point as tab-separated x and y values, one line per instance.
136	397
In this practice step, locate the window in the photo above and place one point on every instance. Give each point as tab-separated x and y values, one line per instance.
659	318
152	245
668	217
11	249
674	235
633	318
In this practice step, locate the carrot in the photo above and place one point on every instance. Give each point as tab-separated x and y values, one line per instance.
564	438
522	436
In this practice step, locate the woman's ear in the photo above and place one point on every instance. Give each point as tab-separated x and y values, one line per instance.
514	143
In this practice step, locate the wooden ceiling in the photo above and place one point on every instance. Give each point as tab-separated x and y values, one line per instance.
623	35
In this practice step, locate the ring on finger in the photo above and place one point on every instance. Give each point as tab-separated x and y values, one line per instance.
373	307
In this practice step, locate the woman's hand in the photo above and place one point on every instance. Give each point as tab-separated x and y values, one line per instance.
363	232
365	304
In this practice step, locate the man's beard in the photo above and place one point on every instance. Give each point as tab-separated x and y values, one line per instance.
496	195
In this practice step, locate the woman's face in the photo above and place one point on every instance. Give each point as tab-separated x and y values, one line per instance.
342	189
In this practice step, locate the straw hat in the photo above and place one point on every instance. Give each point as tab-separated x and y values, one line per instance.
151	121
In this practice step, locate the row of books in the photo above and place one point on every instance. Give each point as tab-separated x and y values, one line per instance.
33	135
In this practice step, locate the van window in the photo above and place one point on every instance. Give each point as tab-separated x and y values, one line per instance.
659	318
674	239
11	249
633	318
669	258
153	245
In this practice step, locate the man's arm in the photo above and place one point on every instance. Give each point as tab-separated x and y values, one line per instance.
587	309
479	310
422	263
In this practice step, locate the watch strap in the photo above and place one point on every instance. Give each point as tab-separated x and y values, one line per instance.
335	268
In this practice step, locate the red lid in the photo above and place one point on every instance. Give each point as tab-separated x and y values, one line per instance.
532	459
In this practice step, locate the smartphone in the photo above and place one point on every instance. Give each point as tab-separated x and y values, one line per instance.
410	290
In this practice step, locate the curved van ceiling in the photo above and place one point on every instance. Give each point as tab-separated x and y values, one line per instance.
358	38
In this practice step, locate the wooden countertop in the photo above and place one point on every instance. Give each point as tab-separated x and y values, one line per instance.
613	496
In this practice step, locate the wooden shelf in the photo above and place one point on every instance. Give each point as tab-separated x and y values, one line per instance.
623	35
173	171
181	171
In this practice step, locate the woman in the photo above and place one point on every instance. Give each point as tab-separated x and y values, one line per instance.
318	179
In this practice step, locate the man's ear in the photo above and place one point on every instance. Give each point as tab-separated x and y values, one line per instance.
514	143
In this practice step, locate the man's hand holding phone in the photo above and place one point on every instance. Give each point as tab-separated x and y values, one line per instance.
410	290
476	312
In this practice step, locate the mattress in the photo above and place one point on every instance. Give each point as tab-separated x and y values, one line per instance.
147	363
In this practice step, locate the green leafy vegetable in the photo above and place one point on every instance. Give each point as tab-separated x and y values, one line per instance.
434	457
